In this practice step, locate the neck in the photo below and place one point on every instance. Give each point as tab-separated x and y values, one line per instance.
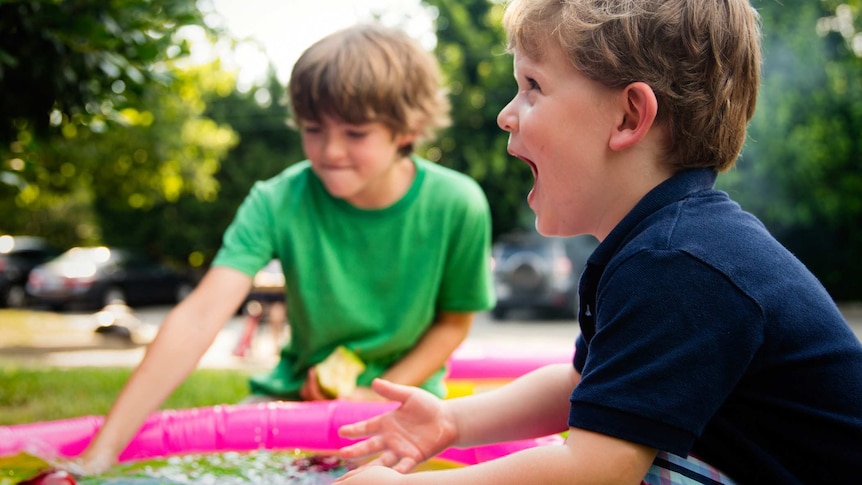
632	179
389	188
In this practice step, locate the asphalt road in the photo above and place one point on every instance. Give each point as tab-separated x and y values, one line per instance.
519	333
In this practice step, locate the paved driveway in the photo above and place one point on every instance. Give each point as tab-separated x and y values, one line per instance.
68	339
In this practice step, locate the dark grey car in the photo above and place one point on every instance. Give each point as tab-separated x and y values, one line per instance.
18	256
538	273
98	276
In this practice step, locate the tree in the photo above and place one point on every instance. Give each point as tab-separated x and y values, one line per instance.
74	60
151	179
801	169
266	146
118	181
471	50
106	133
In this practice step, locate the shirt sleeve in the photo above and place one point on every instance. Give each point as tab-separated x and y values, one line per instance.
466	285
248	243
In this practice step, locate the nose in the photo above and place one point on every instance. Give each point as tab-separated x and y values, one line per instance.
507	120
333	147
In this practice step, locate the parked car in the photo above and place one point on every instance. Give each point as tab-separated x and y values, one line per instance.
539	274
18	256
98	276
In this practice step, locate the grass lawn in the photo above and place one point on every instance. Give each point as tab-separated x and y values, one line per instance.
33	394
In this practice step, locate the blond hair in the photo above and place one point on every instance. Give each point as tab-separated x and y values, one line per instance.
700	57
370	73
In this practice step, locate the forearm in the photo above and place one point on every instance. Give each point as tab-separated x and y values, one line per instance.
432	351
534	405
545	465
184	336
423	426
169	359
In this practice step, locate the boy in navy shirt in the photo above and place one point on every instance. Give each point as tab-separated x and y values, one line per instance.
708	352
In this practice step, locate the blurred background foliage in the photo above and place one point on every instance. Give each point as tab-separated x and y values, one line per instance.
108	134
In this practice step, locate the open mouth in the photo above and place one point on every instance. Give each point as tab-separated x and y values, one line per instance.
531	165
533	168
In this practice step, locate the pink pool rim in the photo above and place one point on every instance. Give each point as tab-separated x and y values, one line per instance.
477	361
271	426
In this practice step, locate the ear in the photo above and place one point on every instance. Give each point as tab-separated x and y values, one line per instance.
638	115
404	139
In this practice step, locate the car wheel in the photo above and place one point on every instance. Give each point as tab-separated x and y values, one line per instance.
183	290
113	294
16	297
499	312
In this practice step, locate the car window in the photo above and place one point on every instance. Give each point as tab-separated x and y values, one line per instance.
98	255
30	257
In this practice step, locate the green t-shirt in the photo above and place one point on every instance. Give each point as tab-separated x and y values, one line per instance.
371	280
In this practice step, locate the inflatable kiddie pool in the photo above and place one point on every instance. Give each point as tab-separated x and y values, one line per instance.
310	426
475	367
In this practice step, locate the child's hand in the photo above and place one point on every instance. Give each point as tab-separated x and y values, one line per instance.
372	475
311	390
419	429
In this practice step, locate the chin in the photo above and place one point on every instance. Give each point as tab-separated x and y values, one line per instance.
543	229
340	191
552	229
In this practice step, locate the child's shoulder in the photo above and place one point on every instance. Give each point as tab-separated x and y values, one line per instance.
290	186
451	188
447	179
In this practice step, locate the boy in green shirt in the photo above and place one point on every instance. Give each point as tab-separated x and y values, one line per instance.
383	252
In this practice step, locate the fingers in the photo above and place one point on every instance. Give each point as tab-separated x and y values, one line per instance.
361	428
404	465
90	463
369	447
390	459
310	389
392	391
369	474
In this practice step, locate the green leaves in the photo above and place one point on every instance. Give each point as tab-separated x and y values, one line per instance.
471	50
73	57
801	169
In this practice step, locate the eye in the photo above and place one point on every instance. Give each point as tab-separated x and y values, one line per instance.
311	129
357	134
533	85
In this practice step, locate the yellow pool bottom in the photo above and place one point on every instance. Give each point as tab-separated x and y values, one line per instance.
466	387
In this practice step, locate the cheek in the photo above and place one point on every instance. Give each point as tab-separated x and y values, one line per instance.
538	131
308	145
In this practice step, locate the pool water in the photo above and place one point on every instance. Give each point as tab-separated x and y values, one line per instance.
227	468
296	467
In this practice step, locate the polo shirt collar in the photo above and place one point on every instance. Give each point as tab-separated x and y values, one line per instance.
678	187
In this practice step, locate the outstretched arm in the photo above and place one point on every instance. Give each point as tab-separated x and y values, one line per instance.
534	405
586	458
531	406
183	338
417	430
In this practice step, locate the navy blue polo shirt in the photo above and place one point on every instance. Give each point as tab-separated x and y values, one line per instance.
702	334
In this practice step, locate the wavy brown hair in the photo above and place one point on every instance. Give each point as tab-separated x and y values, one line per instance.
370	73
701	58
